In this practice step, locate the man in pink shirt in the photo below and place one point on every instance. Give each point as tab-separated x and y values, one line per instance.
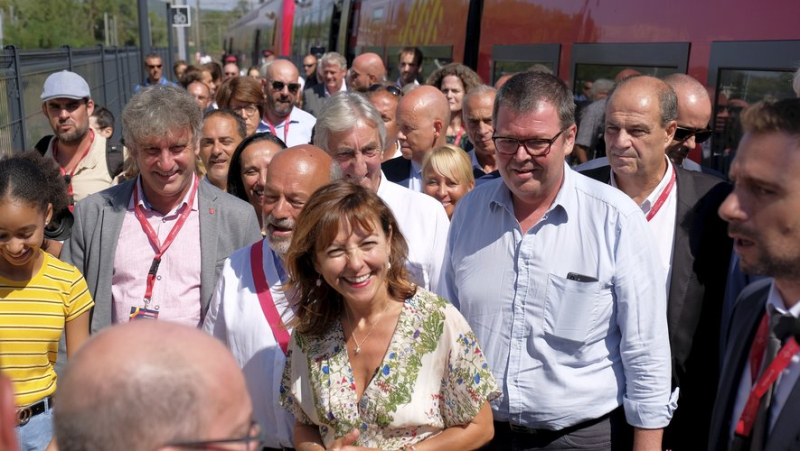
153	247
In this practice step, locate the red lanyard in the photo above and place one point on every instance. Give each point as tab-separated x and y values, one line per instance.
153	238
457	141
265	296
72	172
285	128
745	425
662	198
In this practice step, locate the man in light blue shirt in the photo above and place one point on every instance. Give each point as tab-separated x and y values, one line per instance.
558	277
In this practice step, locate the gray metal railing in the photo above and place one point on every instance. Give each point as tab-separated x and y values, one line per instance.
111	72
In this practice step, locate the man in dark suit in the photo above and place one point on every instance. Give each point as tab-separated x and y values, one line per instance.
422	118
763	220
332	69
681	210
154	246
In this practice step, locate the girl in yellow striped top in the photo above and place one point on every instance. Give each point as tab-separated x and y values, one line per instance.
40	296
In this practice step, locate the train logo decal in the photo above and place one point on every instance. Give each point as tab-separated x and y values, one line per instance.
423	22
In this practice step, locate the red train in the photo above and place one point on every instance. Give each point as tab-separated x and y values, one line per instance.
743	50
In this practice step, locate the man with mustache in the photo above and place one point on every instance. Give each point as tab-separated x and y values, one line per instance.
292	125
240	311
67	103
557	275
680	207
755	409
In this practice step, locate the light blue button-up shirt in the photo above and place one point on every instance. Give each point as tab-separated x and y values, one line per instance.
565	351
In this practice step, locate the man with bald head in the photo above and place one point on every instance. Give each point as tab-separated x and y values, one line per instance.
477	112
249	289
694	115
351	130
422	118
680	207
367	70
201	94
153	385
281	118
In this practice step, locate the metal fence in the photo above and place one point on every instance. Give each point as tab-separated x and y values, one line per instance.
112	74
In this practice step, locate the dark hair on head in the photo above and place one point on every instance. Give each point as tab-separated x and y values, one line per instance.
317	307
191	74
103	117
773	117
215	69
152	55
413	50
241	127
235	182
179	63
31	178
242	89
468	77
524	91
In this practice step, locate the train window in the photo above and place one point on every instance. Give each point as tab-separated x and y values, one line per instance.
509	59
593	61
433	57
743	73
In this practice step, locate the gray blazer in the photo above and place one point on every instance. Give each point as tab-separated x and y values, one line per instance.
314	98
226	224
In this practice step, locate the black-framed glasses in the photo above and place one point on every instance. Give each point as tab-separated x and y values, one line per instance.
253	440
279	85
249	109
700	134
536	147
391	89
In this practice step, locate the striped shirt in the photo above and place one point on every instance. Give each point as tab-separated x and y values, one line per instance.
32	318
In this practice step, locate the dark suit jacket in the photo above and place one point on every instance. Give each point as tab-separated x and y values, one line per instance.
746	316
397	170
313	99
701	252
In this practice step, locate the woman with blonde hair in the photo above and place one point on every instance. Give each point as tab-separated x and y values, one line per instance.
455	80
375	361
447	176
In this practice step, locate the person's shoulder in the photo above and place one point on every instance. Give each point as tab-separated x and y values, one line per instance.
703	182
604	195
317	90
483	192
230	202
104	197
428	301
303	116
416	199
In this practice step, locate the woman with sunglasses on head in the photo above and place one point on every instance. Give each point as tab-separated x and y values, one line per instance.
375	361
447	176
455	80
244	96
247	173
40	296
385	97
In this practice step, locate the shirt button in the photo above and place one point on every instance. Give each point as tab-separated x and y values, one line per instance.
158	277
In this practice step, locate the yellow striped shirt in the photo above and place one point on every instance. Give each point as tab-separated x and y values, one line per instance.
32	318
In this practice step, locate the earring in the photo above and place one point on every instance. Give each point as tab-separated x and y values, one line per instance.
388	265
319	280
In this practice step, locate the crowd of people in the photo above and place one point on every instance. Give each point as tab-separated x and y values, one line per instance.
339	261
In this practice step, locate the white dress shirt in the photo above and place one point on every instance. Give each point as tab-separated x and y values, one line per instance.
786	381
236	318
564	350
301	124
424	224
414	182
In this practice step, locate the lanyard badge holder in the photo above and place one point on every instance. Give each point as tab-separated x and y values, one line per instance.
145	312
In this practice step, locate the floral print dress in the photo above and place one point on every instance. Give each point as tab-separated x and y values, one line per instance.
432	377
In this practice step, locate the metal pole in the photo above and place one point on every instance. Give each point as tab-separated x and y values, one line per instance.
197	44
15	91
170	43
105	29
144	31
103	72
69	56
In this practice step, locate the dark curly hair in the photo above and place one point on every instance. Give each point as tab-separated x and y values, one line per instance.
467	76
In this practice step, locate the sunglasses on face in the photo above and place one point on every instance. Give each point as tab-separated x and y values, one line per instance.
391	89
154	66
700	134
279	85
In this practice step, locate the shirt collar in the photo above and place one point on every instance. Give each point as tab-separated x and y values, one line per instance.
342	89
475	163
565	199
146	205
775	302
651	199
416	169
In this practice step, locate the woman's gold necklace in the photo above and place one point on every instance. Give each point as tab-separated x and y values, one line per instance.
353	327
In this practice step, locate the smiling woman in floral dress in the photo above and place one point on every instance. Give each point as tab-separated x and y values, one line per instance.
375	361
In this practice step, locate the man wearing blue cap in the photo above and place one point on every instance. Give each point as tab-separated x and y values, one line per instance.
81	153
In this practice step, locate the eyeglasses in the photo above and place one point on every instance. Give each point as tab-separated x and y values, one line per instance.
279	85
154	66
254	439
231	74
535	146
249	109
307	66
700	134
391	89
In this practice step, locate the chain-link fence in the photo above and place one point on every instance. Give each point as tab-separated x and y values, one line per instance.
112	74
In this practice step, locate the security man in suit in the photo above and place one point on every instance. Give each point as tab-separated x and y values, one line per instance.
153	247
680	206
758	402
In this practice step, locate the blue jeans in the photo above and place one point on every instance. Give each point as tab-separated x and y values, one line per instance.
36	435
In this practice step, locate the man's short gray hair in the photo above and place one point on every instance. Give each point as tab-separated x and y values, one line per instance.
479	90
332	59
342	112
159	110
523	93
601	85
